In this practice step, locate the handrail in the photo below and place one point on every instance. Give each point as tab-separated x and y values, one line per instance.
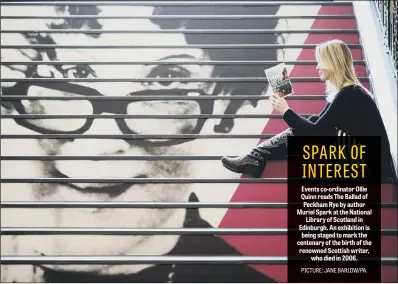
382	75
387	12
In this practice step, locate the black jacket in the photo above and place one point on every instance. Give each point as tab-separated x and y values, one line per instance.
353	112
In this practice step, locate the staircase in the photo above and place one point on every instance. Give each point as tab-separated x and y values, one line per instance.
135	103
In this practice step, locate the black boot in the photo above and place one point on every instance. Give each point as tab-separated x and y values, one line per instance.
252	164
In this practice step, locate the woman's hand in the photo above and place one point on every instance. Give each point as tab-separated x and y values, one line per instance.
279	103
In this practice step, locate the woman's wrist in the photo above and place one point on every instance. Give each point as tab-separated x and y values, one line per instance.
285	110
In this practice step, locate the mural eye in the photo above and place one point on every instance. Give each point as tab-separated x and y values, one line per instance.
168	72
79	71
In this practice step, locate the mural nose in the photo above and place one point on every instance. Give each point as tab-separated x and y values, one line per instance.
99	147
99	169
84	147
94	147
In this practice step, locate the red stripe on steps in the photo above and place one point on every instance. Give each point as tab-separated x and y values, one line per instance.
335	10
333	24
319	38
277	218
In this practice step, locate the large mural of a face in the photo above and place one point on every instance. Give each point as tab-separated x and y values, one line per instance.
153	59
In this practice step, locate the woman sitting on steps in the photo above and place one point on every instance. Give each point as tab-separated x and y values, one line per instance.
350	111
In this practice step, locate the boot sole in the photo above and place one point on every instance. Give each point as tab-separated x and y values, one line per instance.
251	173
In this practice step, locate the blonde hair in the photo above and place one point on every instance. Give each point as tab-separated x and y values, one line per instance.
335	56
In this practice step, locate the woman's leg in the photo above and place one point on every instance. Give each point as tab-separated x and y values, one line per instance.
254	162
275	148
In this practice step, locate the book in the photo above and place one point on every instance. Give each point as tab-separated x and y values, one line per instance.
279	80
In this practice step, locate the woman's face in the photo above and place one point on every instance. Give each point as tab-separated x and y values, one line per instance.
324	74
103	169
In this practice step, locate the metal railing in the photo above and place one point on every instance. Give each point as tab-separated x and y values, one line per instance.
387	13
379	42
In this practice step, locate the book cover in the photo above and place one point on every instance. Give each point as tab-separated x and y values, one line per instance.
279	80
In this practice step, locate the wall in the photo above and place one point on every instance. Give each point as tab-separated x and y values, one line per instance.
156	55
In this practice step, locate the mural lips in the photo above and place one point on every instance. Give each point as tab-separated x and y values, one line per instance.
111	190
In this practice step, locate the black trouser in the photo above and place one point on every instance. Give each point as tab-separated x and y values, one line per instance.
275	148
